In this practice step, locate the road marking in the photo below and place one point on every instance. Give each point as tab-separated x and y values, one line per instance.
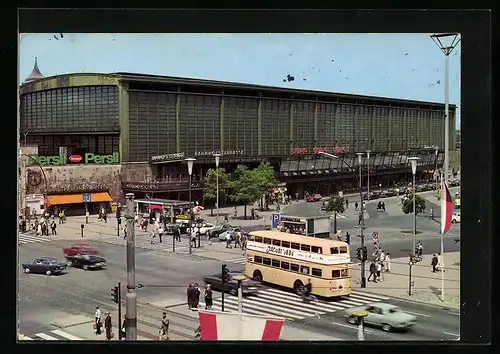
452	334
351	327
25	337
416	313
65	335
370	295
45	336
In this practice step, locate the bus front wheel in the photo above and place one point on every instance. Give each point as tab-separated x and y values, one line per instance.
297	287
257	275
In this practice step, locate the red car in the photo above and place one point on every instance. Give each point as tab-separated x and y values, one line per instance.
79	247
313	198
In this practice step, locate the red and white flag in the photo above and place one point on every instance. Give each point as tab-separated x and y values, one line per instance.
446	208
235	326
196	209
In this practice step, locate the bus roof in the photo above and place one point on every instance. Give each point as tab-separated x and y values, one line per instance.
284	236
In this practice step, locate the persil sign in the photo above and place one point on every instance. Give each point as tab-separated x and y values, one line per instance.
63	159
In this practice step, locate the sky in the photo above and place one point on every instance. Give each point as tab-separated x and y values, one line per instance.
407	66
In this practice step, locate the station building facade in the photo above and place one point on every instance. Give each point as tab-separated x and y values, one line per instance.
126	132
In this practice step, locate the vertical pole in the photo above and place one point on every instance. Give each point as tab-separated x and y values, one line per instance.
119	311
131	297
446	152
414	216
240	298
190	221
363	278
409	277
222	282
361	330
86	213
217	174
435	170
368	173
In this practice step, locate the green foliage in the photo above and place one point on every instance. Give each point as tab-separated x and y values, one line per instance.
210	183
419	205
336	205
265	177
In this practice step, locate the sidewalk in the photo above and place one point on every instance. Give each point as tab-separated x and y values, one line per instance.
426	284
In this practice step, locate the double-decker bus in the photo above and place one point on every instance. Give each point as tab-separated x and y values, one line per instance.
290	260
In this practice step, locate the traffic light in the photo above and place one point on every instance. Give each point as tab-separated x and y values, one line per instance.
114	294
358	253
225	271
365	253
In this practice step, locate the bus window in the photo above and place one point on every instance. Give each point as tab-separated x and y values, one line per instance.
305	248
317	272
334	250
304	270
343	249
336	273
267	240
316	249
257	259
277	243
285	265
258	239
266	261
295	246
343	273
294	267
275	263
285	244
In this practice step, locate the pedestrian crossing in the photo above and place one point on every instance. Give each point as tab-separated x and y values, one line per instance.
274	302
144	242
25	238
240	260
56	334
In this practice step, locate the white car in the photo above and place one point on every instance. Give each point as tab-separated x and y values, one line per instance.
455	218
206	227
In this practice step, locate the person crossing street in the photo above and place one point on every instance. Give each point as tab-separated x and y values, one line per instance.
165	324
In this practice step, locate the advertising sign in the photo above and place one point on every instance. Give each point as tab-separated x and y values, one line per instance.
275	220
220	152
168	157
63	159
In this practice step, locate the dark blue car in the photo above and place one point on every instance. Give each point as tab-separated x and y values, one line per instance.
45	265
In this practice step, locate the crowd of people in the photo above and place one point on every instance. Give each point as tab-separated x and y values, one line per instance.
193	296
380	264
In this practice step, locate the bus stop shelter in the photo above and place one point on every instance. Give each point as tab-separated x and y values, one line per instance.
166	204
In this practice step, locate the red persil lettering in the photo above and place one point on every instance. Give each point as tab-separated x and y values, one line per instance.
319	149
75	158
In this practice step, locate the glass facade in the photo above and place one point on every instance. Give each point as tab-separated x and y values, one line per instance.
86	109
48	145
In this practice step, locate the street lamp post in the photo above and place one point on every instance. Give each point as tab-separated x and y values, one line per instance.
413	161
435	169
362	218
217	159
190	161
368	171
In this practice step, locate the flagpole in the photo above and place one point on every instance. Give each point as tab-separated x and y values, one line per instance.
443	190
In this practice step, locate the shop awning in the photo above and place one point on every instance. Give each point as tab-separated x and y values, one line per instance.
78	198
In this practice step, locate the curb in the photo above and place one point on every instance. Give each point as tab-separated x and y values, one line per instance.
70	325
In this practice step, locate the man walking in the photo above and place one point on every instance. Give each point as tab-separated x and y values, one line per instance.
165	323
434	263
237	239
373	272
228	240
53	227
97	322
160	232
208	298
107	325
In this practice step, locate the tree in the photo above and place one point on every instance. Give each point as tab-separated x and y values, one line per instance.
265	178
419	205
210	185
244	188
335	205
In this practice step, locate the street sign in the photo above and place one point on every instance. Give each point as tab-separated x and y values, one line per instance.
86	197
375	236
275	220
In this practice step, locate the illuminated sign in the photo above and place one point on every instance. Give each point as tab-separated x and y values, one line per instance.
328	259
339	149
62	159
319	149
292	219
300	151
168	157
220	152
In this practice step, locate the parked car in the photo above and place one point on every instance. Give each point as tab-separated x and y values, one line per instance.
44	265
384	194
218	229
248	286
232	232
455	218
388	317
376	194
313	198
77	248
392	192
86	260
206	227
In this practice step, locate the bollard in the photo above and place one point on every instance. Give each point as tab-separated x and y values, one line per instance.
82	226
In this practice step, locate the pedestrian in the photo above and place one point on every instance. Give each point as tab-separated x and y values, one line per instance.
152	237
190	296
244	239
387	265
160	232
379	206
165	324
434	263
97	321
383	207
432	213
346	203
420	249
381	256
54	226
228	240
348	238
108	326
379	269
208	297
373	272
124	232
178	233
136	219
237	239
105	217
61	216
196	293
356	206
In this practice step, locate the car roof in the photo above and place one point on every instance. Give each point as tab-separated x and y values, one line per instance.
47	259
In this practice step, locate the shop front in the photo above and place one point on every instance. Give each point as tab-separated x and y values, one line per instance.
79	203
